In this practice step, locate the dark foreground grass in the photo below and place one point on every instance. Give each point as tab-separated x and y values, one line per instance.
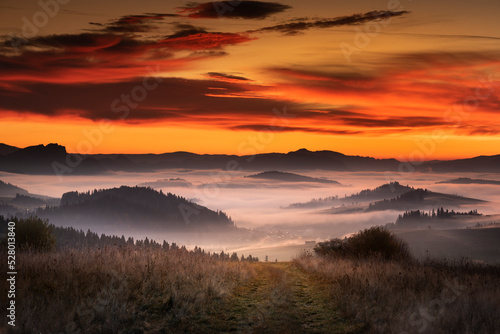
125	290
410	296
140	290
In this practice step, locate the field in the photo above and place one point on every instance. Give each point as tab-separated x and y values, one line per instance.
131	290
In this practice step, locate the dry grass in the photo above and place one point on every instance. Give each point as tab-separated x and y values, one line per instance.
141	290
123	291
412	297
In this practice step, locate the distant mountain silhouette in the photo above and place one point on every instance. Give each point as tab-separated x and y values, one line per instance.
466	180
10	190
289	177
95	164
479	164
7	149
134	208
14	200
27	201
54	159
325	160
40	160
177	182
408	200
385	191
420	199
33	159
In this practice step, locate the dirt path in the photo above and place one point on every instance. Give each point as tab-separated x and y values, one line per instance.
283	299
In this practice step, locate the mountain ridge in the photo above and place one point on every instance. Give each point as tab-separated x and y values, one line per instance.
133	208
53	158
289	177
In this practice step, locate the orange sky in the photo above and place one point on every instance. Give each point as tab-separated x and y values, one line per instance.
409	80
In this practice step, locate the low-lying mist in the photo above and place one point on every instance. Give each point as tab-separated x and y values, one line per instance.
259	205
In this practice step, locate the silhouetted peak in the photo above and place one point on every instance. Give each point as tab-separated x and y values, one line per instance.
46	149
324	153
40	153
55	148
7	149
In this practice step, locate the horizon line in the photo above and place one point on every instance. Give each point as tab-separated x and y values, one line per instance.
260	153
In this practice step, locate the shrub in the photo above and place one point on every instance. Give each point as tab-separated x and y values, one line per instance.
34	234
372	242
333	247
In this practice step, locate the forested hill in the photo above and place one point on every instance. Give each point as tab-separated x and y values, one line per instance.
289	177
385	191
10	190
133	207
422	198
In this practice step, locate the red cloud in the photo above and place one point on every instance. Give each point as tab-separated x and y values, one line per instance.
105	57
204	40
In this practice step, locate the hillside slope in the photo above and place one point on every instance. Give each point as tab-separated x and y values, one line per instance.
385	191
289	177
134	208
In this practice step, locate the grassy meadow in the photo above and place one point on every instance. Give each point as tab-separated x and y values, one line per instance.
141	290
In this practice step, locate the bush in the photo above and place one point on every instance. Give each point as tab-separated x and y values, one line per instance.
372	242
34	234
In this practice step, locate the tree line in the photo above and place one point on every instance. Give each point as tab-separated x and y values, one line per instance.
440	213
36	234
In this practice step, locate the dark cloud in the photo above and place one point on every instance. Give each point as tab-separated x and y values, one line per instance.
103	56
180	99
278	128
83	74
138	19
479	131
233	9
77	57
218	75
441	60
85	42
175	99
300	25
218	103
172	98
357	119
191	37
203	40
336	112
393	122
136	23
115	45
184	30
322	76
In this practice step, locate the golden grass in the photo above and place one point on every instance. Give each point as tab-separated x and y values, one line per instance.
115	290
411	297
142	290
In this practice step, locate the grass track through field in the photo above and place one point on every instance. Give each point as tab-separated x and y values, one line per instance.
281	298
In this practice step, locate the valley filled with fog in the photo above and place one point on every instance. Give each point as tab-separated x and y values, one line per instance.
260	204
